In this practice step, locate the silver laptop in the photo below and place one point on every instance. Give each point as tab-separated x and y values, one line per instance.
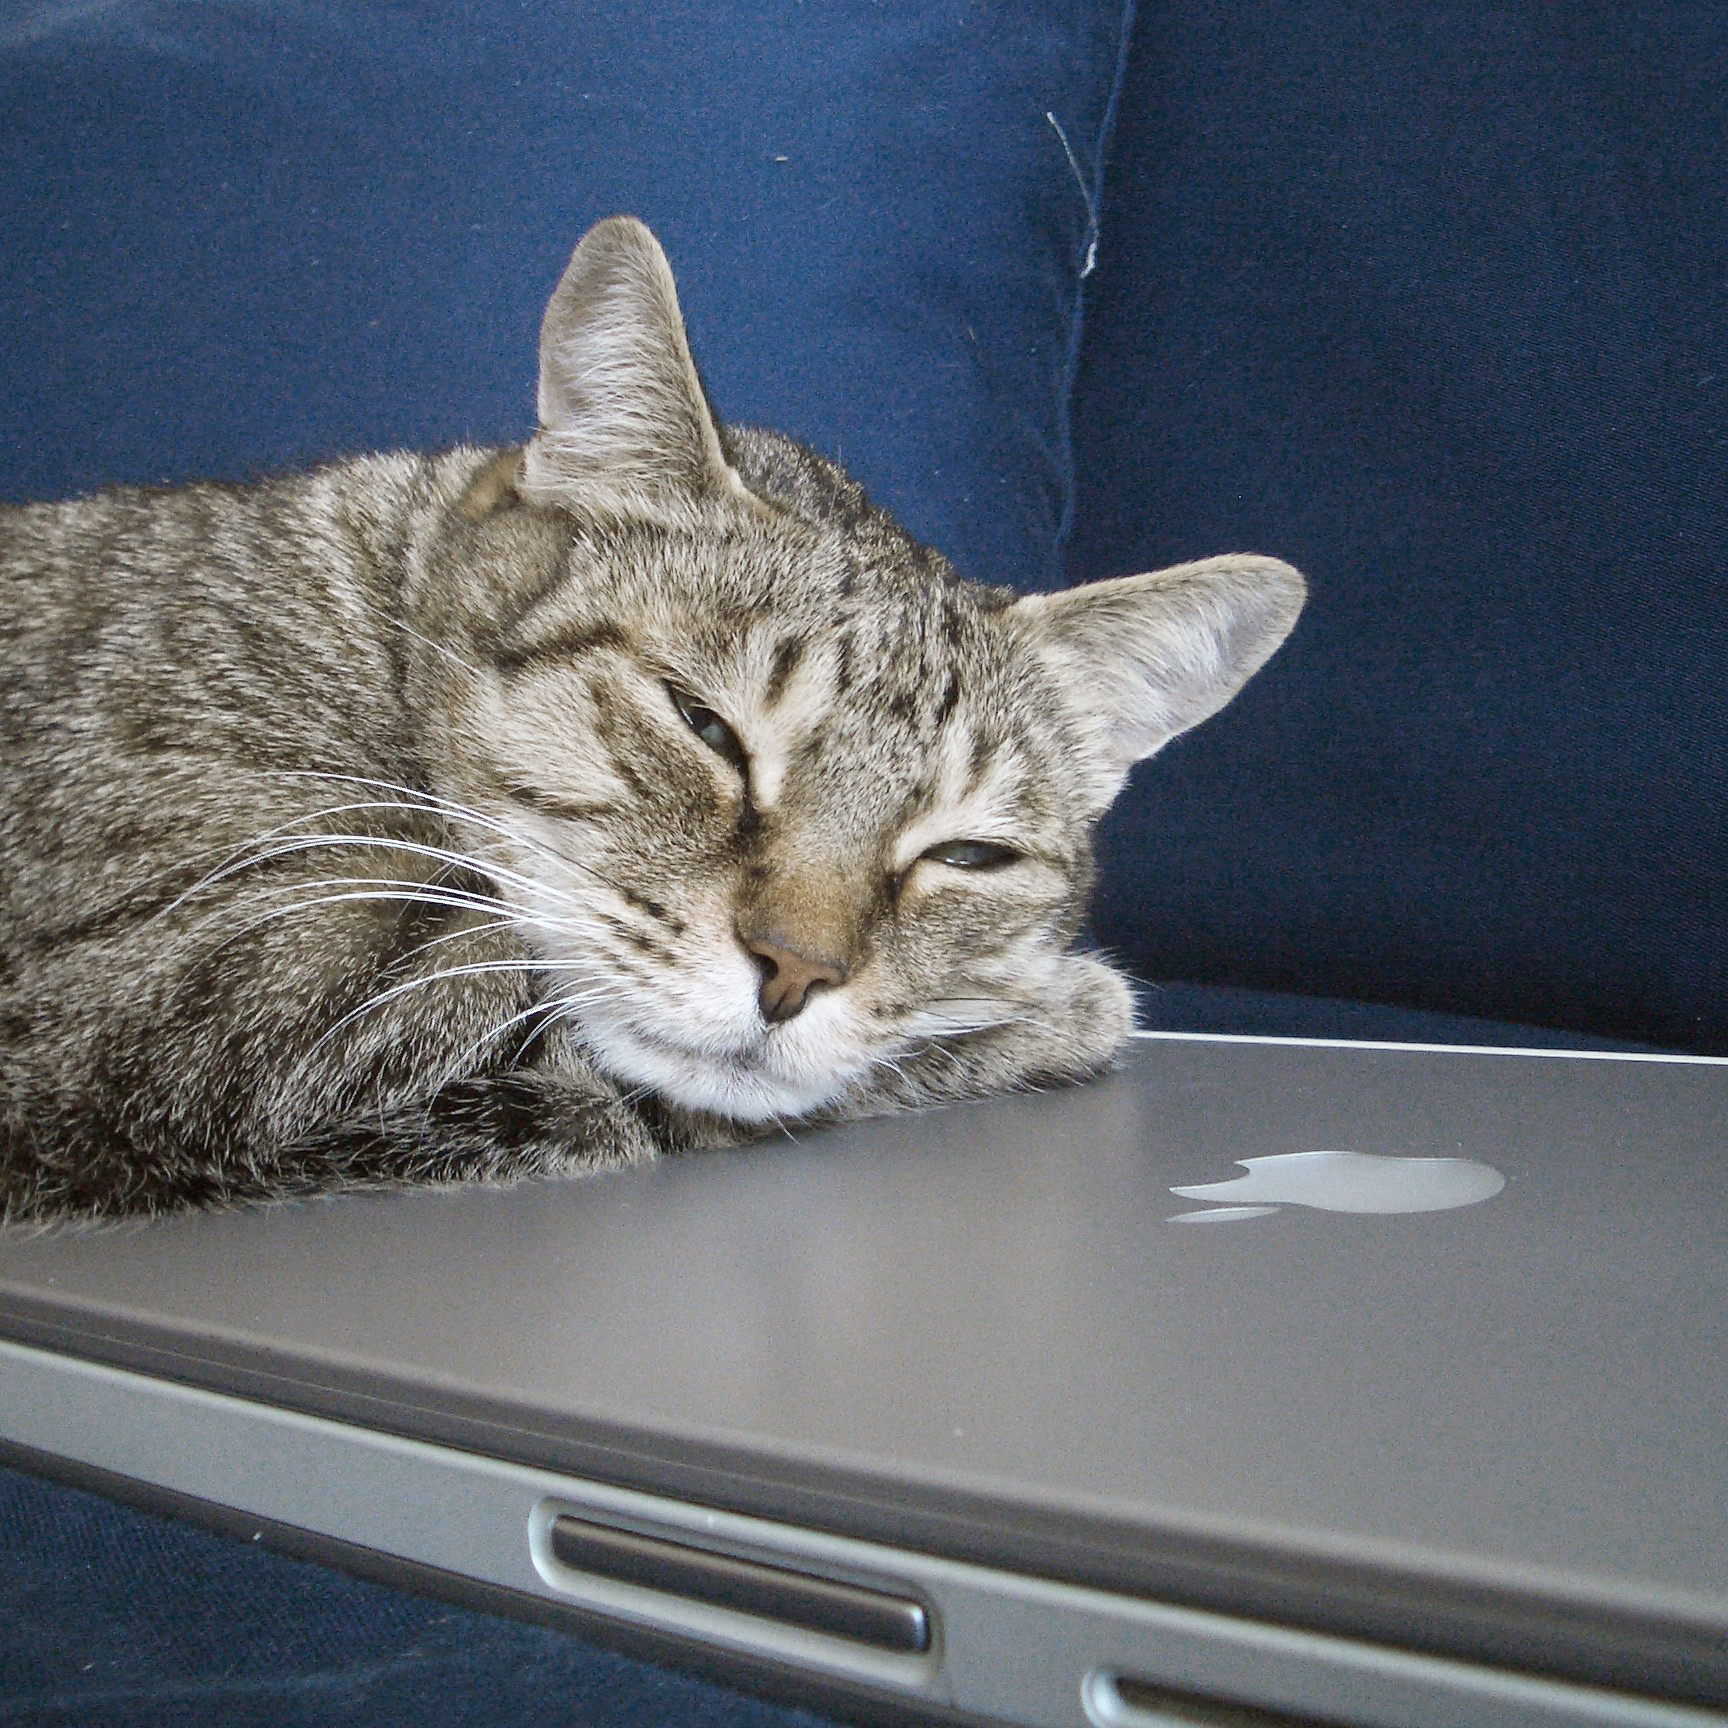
1264	1379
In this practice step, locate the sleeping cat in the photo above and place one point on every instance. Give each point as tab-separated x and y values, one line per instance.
514	812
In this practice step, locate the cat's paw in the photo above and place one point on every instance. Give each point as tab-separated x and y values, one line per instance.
1071	1031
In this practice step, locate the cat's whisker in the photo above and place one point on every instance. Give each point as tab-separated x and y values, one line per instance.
893	1064
285	841
952	1016
468	932
473	969
392	885
410	797
167	872
432	803
464	933
295	844
551	1008
407	629
443	809
433	897
545	1013
956	1017
384	888
548	1011
636	1094
237	858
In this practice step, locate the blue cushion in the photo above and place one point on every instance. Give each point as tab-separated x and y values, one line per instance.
1429	300
243	237
117	1619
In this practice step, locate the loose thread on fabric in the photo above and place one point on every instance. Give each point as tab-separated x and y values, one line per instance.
1090	263
1091	192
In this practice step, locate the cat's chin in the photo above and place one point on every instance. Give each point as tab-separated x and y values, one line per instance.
747	1086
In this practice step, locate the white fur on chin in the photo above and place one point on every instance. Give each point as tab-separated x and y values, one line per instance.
763	1080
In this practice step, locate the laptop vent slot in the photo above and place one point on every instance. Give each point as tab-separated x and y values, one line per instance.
876	1618
1117	1701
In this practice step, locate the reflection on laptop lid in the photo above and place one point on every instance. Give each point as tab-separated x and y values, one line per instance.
1353	1383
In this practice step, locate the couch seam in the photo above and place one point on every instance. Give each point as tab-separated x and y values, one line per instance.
1093	194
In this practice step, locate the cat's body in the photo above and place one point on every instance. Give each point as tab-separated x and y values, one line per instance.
513	812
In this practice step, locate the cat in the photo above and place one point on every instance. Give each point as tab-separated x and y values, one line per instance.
525	812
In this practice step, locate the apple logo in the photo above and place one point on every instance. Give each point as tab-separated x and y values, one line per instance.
1342	1182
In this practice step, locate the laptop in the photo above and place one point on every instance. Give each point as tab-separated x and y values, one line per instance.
1263	1380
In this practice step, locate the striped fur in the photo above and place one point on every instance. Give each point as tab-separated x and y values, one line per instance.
521	812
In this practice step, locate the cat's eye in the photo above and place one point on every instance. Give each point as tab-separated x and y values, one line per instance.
710	728
971	854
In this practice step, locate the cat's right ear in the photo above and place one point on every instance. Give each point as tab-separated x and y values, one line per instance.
1140	659
625	428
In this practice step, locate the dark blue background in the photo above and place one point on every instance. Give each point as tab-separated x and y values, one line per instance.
1433	301
243	234
111	1618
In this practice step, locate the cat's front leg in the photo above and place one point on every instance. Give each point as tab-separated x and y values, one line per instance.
501	1127
1069	1030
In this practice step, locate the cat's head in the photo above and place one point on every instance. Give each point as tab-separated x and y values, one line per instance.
787	805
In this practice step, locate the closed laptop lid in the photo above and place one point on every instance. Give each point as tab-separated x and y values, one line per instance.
1396	1342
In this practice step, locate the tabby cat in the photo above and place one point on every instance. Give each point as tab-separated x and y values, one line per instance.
502	813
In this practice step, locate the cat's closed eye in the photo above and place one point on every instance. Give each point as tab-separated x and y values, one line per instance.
710	728
971	855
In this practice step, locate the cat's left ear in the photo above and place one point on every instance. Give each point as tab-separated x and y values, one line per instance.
1143	658
624	425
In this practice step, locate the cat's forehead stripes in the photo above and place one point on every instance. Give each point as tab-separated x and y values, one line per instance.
879	703
788	653
787	704
959	803
841	684
899	761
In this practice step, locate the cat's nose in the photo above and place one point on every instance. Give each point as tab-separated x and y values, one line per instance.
789	976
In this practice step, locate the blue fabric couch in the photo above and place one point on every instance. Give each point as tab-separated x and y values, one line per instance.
1427	299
